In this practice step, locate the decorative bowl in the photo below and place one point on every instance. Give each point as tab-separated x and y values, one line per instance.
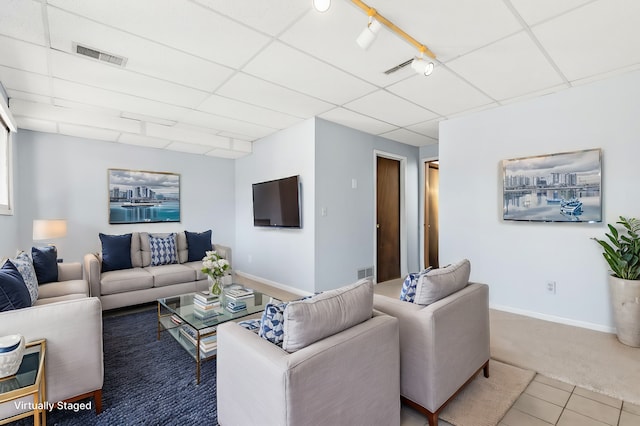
11	350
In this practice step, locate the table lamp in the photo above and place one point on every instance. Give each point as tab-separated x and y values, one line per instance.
48	229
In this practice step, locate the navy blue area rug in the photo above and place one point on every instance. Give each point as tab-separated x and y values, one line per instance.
146	381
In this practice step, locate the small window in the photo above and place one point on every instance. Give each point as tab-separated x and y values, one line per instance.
6	201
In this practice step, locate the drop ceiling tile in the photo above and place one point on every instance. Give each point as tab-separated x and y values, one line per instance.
390	108
143	56
507	68
536	11
442	92
130	139
255	91
331	36
429	128
24	81
603	36
25	96
243	146
36	124
181	24
225	153
23	56
232	108
147	118
299	71
109	77
84	107
88	132
188	148
535	94
250	130
357	121
23	20
452	28
188	135
236	136
271	17
408	137
605	75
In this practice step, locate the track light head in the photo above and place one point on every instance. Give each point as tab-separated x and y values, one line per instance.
422	66
368	35
321	5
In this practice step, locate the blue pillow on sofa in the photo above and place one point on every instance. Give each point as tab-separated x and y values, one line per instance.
13	291
116	252
45	262
198	243
408	292
272	323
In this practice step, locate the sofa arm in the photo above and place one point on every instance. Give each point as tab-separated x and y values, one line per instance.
442	344
74	360
289	389
69	271
224	251
92	268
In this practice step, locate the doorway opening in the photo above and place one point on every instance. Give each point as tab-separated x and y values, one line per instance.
431	205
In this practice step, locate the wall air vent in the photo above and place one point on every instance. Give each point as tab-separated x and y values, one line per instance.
365	273
398	67
101	56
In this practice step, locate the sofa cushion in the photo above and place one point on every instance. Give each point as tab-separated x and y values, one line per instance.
440	283
13	291
64	288
198	243
309	320
59	299
408	292
124	280
182	247
45	263
24	265
196	266
163	250
171	274
272	323
136	253
116	252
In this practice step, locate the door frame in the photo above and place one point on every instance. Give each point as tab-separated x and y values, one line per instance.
422	201
403	214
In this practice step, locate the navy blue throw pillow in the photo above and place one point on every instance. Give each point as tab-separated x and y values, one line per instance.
116	252
198	243
45	262
13	291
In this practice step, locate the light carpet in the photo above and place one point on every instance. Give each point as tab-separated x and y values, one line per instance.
485	401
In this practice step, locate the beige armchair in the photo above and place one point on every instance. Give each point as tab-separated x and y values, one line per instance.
443	346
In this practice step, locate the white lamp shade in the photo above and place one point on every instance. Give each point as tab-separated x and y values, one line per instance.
422	66
45	229
322	5
368	35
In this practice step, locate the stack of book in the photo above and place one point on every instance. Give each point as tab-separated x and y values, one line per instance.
208	344
239	293
234	306
205	304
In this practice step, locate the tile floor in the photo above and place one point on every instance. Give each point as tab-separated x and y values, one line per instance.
548	402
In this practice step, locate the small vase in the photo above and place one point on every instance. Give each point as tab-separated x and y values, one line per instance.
216	285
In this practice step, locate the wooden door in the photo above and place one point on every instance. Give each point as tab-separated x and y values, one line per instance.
388	219
432	208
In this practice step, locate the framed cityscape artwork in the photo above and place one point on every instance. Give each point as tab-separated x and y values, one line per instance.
137	196
562	187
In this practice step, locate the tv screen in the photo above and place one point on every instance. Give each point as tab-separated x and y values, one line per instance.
276	203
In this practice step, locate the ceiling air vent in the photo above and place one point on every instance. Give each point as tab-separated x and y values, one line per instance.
398	67
101	56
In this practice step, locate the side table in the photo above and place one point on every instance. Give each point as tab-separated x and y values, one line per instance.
29	380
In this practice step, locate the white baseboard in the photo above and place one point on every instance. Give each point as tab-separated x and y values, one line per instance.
274	284
553	318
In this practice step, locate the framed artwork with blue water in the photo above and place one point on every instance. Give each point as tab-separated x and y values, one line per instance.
137	196
561	187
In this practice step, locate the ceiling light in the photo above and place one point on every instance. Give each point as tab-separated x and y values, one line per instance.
322	5
422	66
368	35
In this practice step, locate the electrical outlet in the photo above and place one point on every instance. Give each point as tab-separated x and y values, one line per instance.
551	287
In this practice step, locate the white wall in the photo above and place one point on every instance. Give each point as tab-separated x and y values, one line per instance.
345	236
282	256
9	224
515	258
66	177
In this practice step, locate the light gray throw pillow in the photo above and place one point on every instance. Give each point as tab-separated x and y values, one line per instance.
309	320
440	283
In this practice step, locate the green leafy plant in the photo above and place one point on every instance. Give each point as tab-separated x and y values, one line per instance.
622	251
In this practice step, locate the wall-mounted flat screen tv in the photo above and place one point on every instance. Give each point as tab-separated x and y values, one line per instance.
276	203
562	187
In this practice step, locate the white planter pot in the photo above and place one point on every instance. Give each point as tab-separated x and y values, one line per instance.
625	300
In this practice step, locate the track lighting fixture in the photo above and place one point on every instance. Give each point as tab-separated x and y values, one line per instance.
322	5
368	35
422	66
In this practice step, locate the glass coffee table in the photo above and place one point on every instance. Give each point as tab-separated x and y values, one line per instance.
195	331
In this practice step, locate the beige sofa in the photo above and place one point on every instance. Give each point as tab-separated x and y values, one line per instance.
145	283
348	377
71	322
442	345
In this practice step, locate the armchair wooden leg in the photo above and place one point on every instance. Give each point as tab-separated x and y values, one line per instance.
97	398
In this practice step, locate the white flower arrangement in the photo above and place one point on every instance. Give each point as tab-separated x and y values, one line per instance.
214	265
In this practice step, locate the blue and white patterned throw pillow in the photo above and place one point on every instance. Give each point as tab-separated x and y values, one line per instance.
24	265
163	250
251	325
408	292
272	323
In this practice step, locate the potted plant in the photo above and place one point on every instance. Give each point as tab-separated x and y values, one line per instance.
622	253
